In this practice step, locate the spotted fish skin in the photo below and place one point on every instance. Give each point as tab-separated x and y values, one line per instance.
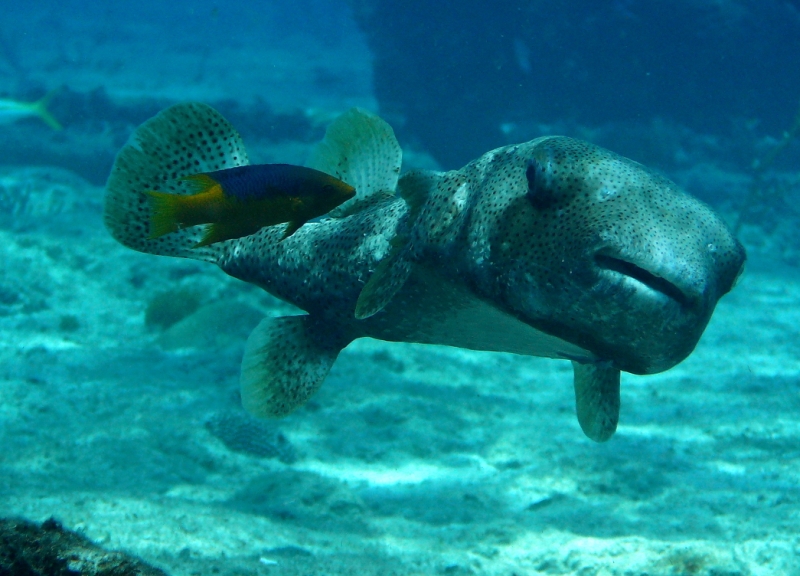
585	245
323	267
566	237
553	248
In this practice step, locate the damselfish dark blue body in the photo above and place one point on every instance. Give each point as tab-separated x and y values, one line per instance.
265	181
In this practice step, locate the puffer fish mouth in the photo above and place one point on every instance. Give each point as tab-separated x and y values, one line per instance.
620	266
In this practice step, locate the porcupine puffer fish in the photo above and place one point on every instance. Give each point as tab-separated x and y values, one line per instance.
554	248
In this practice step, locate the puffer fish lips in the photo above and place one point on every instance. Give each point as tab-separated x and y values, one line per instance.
617	259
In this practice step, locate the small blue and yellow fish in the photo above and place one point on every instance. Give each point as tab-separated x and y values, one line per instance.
238	202
12	110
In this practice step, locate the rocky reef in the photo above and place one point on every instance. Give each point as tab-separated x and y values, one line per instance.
28	549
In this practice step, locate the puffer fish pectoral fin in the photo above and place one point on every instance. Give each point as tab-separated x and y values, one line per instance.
361	149
285	361
393	271
387	280
414	187
597	399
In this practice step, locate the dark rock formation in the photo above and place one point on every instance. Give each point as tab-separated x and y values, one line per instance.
27	549
458	72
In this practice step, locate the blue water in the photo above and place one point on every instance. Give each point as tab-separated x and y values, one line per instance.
119	408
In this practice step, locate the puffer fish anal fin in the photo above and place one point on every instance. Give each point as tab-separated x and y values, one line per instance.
393	271
183	140
361	149
285	362
597	399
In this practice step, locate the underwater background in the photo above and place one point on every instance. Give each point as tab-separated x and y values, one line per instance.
120	414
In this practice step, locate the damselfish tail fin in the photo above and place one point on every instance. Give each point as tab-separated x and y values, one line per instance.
40	109
165	208
183	140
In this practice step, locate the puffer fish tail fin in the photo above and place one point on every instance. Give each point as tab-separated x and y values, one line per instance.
395	268
40	109
285	362
181	141
361	149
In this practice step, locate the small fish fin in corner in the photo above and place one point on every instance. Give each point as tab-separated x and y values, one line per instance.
285	362
40	109
361	149
597	399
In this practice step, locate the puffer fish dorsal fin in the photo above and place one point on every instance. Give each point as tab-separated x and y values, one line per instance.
597	399
285	361
183	140
359	148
